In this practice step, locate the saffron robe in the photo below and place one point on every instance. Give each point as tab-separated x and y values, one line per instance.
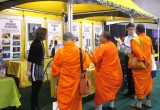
108	72
66	65
142	78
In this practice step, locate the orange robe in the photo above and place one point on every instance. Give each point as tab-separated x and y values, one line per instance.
142	78
66	64
108	72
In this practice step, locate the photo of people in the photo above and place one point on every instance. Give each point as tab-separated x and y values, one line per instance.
31	30
5	35
6	49
17	37
16	49
6	55
6	42
16	55
16	43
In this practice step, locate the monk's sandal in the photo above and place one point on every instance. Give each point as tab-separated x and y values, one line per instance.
137	105
147	104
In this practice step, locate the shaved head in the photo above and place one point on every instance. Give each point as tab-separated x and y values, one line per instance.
68	36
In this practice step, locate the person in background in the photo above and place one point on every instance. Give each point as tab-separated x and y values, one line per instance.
54	49
35	70
142	78
126	46
66	67
108	72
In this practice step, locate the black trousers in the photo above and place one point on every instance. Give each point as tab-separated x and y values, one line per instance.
130	80
36	86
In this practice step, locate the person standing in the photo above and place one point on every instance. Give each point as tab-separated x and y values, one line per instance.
108	72
66	70
142	78
126	46
35	70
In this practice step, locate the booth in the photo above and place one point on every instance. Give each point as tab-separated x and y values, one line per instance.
84	18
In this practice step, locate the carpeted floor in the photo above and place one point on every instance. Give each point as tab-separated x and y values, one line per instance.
122	103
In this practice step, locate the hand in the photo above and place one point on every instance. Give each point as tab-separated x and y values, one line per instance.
147	64
28	73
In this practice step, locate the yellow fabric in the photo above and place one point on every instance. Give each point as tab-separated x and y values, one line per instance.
9	95
57	6
129	4
19	69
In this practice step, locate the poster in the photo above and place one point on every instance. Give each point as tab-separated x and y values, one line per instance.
31	28
87	37
54	34
76	33
97	33
10	33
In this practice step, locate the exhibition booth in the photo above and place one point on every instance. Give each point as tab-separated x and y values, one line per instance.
86	19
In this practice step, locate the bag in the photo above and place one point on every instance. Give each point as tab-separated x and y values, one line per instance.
154	67
133	62
55	106
85	82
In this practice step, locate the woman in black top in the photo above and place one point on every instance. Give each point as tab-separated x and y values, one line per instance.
35	70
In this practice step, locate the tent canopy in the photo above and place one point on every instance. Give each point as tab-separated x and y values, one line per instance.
100	10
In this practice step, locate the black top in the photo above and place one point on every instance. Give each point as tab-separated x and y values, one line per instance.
36	52
53	52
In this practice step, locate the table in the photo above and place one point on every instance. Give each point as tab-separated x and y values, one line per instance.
19	69
90	75
9	95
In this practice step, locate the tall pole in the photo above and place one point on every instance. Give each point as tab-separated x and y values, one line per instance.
158	40
70	15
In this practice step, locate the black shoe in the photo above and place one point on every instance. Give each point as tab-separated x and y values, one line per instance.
127	94
111	108
40	108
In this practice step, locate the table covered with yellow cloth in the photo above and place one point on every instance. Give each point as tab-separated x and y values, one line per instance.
9	95
90	75
19	69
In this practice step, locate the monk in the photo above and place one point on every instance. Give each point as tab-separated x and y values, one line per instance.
142	78
66	66
108	72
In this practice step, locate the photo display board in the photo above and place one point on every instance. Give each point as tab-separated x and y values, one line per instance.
31	24
10	33
87	36
76	33
54	33
97	33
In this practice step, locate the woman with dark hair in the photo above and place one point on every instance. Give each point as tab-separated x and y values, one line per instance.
35	70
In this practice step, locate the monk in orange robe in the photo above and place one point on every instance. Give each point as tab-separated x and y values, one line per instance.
66	66
142	78
108	72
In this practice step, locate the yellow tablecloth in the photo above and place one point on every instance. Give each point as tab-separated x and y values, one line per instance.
90	75
9	95
19	69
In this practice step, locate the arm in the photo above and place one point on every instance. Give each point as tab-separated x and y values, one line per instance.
125	43
86	61
29	68
97	56
136	50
